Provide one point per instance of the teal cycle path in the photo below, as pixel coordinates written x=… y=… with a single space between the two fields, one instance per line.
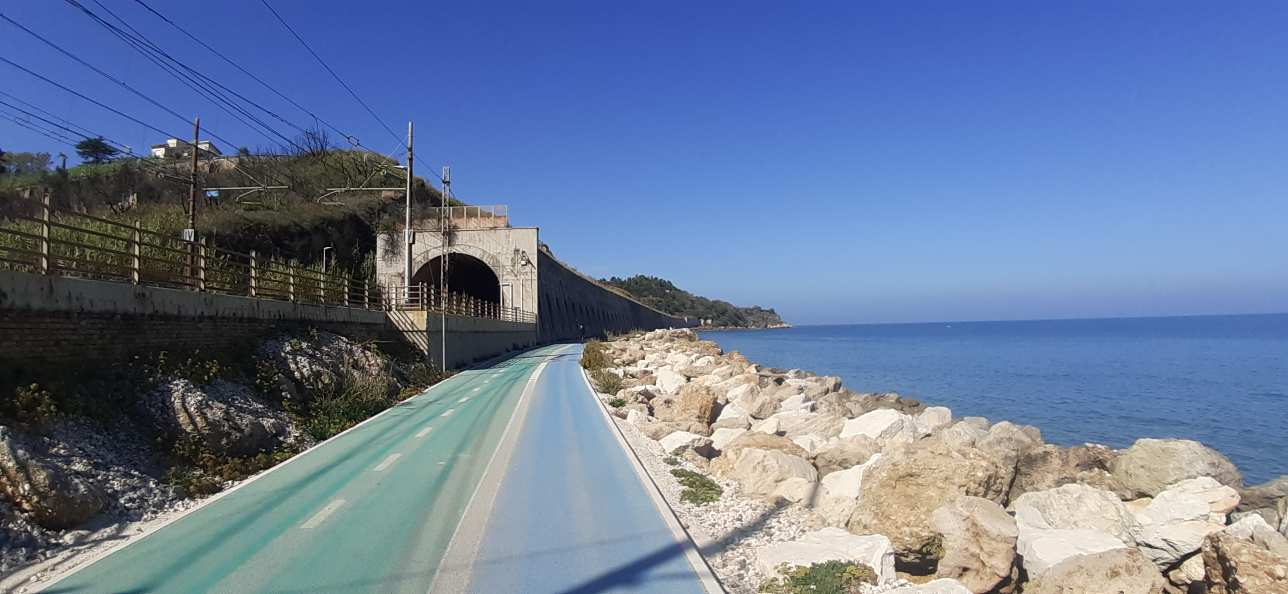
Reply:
x=572 y=515
x=371 y=510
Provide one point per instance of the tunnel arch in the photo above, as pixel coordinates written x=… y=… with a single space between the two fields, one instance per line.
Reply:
x=466 y=274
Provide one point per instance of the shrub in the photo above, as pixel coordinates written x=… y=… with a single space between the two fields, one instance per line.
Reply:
x=671 y=461
x=617 y=402
x=828 y=577
x=594 y=356
x=606 y=381
x=31 y=406
x=198 y=472
x=698 y=489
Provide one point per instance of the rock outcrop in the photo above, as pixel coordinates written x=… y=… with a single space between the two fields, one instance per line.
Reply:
x=54 y=496
x=830 y=544
x=224 y=417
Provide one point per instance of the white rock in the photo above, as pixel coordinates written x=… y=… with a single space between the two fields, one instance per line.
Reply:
x=668 y=381
x=1042 y=549
x=1167 y=544
x=796 y=489
x=1075 y=506
x=839 y=493
x=809 y=442
x=830 y=544
x=769 y=426
x=721 y=437
x=744 y=395
x=882 y=425
x=760 y=471
x=932 y=419
x=680 y=439
x=732 y=411
x=636 y=417
x=939 y=586
x=797 y=403
x=705 y=361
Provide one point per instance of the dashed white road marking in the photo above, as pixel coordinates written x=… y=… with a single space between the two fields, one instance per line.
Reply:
x=463 y=400
x=447 y=413
x=423 y=432
x=386 y=463
x=475 y=389
x=322 y=515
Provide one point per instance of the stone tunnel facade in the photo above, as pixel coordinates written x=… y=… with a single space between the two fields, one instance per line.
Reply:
x=509 y=266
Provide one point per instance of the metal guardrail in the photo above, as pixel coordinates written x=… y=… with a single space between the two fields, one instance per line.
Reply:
x=423 y=297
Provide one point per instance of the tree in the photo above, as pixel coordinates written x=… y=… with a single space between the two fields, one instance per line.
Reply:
x=3 y=159
x=95 y=150
x=28 y=163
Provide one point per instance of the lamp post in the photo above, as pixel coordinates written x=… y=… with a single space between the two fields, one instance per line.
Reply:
x=324 y=261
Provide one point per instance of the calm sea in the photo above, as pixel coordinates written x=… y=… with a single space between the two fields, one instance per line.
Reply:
x=1221 y=380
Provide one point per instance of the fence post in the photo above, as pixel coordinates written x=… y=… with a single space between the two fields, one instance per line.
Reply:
x=136 y=252
x=44 y=233
x=290 y=277
x=201 y=264
x=254 y=274
x=423 y=288
x=366 y=293
x=345 y=289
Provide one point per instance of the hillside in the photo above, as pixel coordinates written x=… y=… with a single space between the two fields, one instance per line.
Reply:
x=664 y=295
x=293 y=223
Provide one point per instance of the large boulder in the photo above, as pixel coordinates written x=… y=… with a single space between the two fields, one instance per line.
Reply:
x=668 y=380
x=656 y=430
x=685 y=440
x=1238 y=561
x=840 y=454
x=1008 y=441
x=692 y=403
x=903 y=488
x=792 y=424
x=1117 y=571
x=321 y=364
x=721 y=437
x=933 y=419
x=225 y=418
x=830 y=544
x=53 y=495
x=961 y=435
x=1150 y=465
x=1075 y=506
x=978 y=539
x=1048 y=466
x=1173 y=525
x=883 y=426
x=763 y=472
x=1041 y=550
x=838 y=494
x=1263 y=496
x=765 y=441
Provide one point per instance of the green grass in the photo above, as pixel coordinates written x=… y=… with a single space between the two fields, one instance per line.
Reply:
x=698 y=489
x=828 y=577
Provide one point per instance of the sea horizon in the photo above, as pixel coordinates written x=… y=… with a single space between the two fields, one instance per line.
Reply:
x=1020 y=320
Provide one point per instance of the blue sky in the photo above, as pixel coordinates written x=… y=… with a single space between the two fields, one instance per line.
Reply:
x=840 y=161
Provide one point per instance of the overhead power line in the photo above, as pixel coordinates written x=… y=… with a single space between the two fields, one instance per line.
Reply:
x=332 y=72
x=87 y=98
x=190 y=77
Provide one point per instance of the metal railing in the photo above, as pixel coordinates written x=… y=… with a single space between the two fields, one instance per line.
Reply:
x=424 y=297
x=80 y=245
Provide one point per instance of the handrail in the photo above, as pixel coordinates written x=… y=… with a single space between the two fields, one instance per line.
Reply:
x=426 y=298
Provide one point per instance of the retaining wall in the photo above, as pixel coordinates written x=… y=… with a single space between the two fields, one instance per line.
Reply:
x=469 y=340
x=571 y=306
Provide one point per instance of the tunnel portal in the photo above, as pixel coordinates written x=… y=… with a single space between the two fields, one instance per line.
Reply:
x=465 y=275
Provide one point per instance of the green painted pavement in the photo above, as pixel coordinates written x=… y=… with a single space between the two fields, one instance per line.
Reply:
x=371 y=510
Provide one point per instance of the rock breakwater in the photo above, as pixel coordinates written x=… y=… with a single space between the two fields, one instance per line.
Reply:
x=815 y=473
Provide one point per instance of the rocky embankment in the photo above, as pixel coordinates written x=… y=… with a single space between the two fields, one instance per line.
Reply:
x=914 y=500
x=74 y=480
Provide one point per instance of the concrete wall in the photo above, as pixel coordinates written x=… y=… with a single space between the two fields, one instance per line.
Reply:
x=568 y=300
x=85 y=323
x=469 y=340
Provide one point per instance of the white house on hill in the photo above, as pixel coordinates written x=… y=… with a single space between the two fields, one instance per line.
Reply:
x=174 y=148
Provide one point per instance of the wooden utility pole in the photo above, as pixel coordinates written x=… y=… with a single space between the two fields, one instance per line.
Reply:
x=192 y=201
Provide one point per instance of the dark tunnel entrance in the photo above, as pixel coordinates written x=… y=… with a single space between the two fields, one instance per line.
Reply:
x=465 y=275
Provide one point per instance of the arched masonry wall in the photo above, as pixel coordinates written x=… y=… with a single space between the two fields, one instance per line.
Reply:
x=569 y=301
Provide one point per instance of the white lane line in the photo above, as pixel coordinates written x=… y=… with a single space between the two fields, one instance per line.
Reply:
x=447 y=413
x=475 y=390
x=386 y=463
x=463 y=400
x=322 y=515
x=423 y=432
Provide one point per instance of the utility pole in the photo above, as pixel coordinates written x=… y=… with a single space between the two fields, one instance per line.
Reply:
x=409 y=237
x=192 y=199
x=445 y=213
